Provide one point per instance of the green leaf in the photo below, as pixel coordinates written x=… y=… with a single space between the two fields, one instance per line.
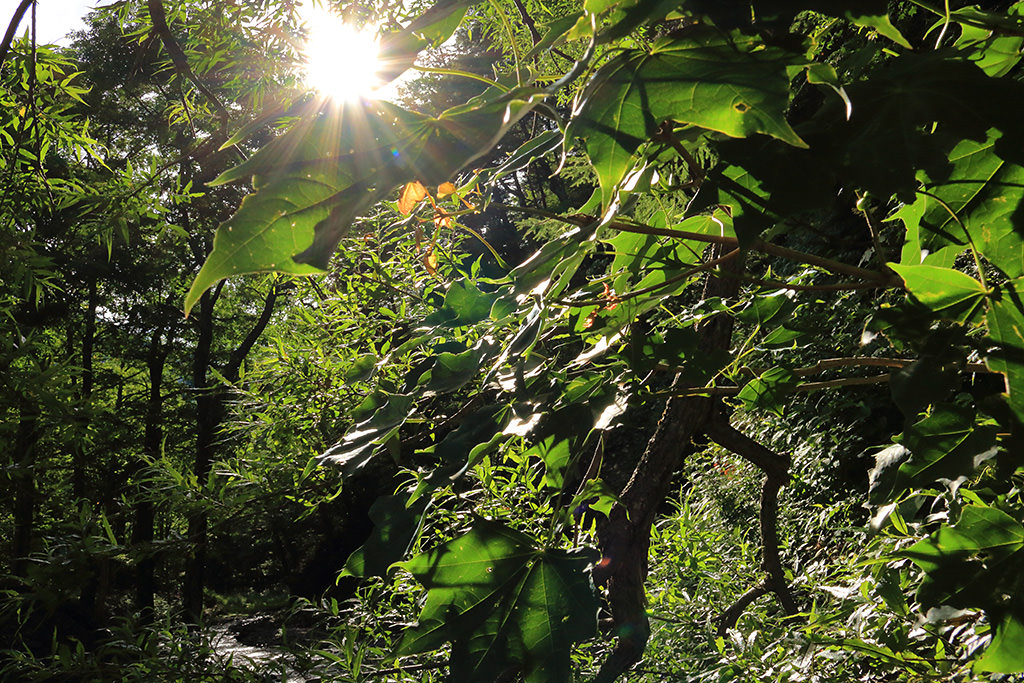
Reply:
x=768 y=309
x=768 y=390
x=883 y=476
x=360 y=444
x=362 y=368
x=395 y=525
x=944 y=445
x=942 y=290
x=1005 y=321
x=974 y=563
x=980 y=194
x=1005 y=654
x=735 y=86
x=503 y=603
x=464 y=304
x=453 y=370
x=312 y=182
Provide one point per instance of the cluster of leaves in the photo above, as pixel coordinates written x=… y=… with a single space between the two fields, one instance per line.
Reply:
x=756 y=125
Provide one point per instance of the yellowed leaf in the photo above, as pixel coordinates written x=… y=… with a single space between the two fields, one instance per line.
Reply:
x=445 y=189
x=430 y=262
x=442 y=220
x=412 y=194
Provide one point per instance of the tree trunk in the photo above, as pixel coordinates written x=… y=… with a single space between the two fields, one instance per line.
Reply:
x=207 y=419
x=24 y=483
x=142 y=529
x=625 y=537
x=210 y=409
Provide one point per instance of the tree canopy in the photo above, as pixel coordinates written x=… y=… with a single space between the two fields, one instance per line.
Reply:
x=620 y=318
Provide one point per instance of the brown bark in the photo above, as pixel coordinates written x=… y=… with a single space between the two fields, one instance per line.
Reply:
x=625 y=537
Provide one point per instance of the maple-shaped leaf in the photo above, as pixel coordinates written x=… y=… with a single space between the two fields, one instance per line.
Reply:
x=504 y=604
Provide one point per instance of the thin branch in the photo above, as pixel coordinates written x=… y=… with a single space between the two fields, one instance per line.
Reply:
x=878 y=279
x=731 y=615
x=666 y=135
x=806 y=386
x=403 y=669
x=710 y=265
x=864 y=361
x=178 y=58
x=875 y=239
x=776 y=471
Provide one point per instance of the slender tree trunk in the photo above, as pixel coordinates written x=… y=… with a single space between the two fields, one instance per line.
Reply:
x=142 y=529
x=79 y=454
x=210 y=409
x=93 y=589
x=24 y=483
x=207 y=419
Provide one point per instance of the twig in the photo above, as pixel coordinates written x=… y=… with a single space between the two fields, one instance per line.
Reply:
x=403 y=669
x=665 y=134
x=710 y=265
x=875 y=239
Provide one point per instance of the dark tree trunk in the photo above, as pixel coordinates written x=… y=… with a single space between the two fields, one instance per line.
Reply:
x=79 y=466
x=207 y=418
x=142 y=529
x=24 y=483
x=210 y=409
x=625 y=537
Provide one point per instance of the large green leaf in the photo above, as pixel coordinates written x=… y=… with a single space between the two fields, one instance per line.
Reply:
x=1005 y=654
x=977 y=198
x=734 y=85
x=943 y=290
x=944 y=445
x=767 y=390
x=974 y=563
x=503 y=603
x=360 y=444
x=1005 y=321
x=395 y=522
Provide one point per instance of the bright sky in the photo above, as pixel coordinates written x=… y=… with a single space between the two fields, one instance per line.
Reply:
x=54 y=18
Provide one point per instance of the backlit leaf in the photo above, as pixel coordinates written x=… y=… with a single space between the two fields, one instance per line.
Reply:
x=412 y=194
x=733 y=85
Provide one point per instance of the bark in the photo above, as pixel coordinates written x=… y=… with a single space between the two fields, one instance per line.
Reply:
x=144 y=513
x=25 y=442
x=625 y=537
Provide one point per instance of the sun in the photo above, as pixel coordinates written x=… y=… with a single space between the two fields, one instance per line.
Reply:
x=341 y=60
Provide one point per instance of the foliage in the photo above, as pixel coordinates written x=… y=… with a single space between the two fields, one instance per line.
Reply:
x=784 y=199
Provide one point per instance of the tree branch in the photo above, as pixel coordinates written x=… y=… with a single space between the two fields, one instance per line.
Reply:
x=178 y=58
x=728 y=618
x=776 y=470
x=877 y=278
x=12 y=28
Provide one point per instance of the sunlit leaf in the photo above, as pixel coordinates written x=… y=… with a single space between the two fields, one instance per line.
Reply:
x=412 y=194
x=733 y=85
